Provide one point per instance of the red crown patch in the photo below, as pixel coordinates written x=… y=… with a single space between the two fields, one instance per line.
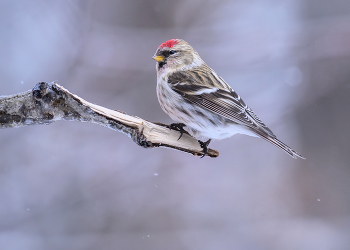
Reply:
x=169 y=44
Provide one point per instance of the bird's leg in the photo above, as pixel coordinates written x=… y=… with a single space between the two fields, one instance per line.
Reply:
x=179 y=127
x=204 y=146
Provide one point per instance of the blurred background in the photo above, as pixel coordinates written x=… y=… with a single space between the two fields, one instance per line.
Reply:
x=76 y=185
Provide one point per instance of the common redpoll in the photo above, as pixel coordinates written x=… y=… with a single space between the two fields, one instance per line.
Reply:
x=193 y=95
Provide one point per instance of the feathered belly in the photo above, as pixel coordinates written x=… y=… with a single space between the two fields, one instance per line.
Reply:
x=200 y=123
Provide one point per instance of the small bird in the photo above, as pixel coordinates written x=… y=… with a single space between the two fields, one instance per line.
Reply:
x=197 y=98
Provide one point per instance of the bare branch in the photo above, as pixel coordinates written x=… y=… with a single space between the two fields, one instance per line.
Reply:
x=49 y=102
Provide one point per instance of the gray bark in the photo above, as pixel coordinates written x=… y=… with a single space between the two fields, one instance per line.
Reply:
x=50 y=102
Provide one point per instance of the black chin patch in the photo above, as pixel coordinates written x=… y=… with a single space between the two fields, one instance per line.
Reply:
x=161 y=64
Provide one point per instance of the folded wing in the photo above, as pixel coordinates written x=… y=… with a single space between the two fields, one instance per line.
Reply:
x=218 y=98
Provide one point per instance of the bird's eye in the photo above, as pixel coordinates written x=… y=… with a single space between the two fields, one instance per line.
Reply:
x=172 y=52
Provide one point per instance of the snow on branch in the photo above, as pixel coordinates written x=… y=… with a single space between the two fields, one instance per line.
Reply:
x=50 y=102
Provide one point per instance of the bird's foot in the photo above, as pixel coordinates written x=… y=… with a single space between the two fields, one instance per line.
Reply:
x=179 y=127
x=204 y=146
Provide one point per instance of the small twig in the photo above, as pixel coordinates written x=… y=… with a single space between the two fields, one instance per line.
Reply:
x=49 y=102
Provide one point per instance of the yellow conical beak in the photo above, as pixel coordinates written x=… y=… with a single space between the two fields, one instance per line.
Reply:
x=158 y=58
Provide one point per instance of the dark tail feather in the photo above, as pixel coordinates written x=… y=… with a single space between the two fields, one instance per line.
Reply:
x=282 y=146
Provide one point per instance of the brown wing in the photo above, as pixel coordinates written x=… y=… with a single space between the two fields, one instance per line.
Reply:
x=219 y=99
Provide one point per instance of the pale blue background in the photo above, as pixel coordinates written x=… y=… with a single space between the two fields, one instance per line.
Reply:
x=77 y=185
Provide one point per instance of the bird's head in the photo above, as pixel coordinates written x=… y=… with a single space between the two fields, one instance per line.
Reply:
x=176 y=54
